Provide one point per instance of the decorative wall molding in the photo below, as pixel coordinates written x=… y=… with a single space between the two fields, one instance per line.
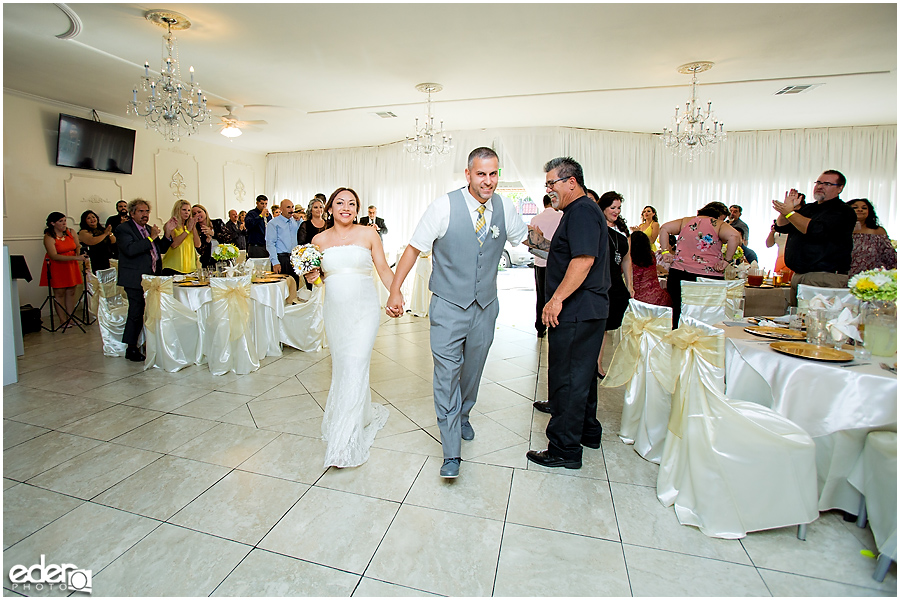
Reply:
x=177 y=178
x=240 y=186
x=91 y=192
x=74 y=23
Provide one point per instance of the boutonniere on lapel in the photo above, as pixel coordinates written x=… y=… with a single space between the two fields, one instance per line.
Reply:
x=495 y=232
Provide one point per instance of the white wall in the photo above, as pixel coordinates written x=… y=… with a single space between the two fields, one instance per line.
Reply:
x=33 y=186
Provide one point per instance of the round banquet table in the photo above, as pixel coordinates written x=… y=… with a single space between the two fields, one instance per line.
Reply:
x=267 y=311
x=837 y=404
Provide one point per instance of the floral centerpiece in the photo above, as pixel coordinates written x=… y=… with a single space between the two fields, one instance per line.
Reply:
x=738 y=256
x=877 y=284
x=305 y=258
x=225 y=252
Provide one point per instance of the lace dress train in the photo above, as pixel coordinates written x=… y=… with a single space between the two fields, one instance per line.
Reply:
x=352 y=317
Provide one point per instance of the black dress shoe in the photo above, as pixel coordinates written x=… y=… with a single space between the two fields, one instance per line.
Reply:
x=545 y=459
x=590 y=444
x=134 y=354
x=543 y=407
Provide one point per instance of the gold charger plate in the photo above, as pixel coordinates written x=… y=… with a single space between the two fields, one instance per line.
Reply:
x=191 y=284
x=268 y=280
x=765 y=286
x=776 y=333
x=810 y=351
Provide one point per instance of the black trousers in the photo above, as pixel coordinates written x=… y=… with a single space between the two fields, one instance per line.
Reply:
x=134 y=321
x=572 y=386
x=540 y=276
x=673 y=286
x=284 y=259
x=257 y=251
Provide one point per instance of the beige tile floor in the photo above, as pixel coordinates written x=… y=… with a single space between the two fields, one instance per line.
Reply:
x=191 y=485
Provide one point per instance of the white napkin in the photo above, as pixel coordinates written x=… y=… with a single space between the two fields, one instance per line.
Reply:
x=844 y=326
x=819 y=302
x=768 y=323
x=231 y=270
x=753 y=265
x=177 y=278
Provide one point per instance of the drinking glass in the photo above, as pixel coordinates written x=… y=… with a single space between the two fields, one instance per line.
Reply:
x=738 y=308
x=817 y=326
x=795 y=321
x=755 y=277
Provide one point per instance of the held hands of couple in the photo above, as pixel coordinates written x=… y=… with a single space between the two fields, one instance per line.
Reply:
x=394 y=306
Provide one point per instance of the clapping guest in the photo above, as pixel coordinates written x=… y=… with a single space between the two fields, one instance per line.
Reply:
x=181 y=231
x=235 y=230
x=209 y=229
x=649 y=225
x=698 y=252
x=64 y=265
x=871 y=246
x=643 y=268
x=98 y=243
x=781 y=239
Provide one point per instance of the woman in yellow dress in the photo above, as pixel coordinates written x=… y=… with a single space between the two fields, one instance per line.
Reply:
x=181 y=258
x=649 y=225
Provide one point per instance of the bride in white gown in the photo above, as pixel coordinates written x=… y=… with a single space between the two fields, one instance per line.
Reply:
x=352 y=316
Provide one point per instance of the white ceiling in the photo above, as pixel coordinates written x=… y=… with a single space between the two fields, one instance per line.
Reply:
x=321 y=70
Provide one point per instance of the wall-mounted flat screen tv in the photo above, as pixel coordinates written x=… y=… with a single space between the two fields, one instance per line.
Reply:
x=87 y=144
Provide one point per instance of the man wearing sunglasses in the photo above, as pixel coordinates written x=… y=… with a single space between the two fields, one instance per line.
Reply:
x=820 y=234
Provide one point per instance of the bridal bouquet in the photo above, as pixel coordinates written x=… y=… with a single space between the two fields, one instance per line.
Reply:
x=305 y=258
x=226 y=252
x=876 y=284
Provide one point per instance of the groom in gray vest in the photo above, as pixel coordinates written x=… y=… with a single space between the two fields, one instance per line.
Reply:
x=465 y=230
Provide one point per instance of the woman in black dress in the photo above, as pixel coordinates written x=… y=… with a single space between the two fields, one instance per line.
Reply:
x=210 y=229
x=97 y=242
x=314 y=223
x=621 y=283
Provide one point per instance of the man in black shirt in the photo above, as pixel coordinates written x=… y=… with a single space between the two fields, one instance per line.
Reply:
x=114 y=221
x=820 y=234
x=577 y=290
x=255 y=222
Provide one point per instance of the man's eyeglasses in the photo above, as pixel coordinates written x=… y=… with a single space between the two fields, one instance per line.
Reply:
x=550 y=183
x=828 y=184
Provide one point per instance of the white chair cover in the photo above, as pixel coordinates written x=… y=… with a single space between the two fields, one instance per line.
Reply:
x=268 y=304
x=704 y=302
x=805 y=293
x=93 y=288
x=728 y=466
x=112 y=310
x=303 y=325
x=734 y=291
x=645 y=413
x=171 y=329
x=875 y=476
x=420 y=299
x=232 y=343
x=260 y=264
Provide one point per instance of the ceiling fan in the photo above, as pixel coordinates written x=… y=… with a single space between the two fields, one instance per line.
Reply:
x=232 y=126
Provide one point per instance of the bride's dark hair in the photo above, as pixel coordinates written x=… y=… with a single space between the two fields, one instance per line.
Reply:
x=338 y=191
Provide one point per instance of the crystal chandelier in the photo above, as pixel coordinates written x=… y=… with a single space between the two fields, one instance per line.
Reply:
x=429 y=145
x=696 y=129
x=173 y=108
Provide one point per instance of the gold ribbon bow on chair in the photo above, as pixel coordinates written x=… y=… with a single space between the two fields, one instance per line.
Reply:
x=675 y=357
x=627 y=357
x=154 y=287
x=238 y=301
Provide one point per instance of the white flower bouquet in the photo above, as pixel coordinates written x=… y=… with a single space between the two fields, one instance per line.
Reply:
x=305 y=258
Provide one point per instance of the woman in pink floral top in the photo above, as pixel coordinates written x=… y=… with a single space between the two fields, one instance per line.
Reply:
x=698 y=252
x=871 y=246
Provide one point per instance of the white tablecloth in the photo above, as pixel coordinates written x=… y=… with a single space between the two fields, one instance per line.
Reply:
x=267 y=310
x=836 y=405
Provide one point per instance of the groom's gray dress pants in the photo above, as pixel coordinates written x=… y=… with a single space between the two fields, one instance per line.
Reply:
x=460 y=340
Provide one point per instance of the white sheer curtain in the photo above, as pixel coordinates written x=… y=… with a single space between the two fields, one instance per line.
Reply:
x=750 y=169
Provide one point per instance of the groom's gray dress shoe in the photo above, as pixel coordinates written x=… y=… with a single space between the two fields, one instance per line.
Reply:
x=467 y=432
x=450 y=468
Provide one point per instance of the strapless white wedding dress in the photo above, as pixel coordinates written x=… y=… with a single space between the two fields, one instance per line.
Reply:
x=352 y=316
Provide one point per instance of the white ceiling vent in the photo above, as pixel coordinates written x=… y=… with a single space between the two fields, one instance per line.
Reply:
x=796 y=89
x=385 y=114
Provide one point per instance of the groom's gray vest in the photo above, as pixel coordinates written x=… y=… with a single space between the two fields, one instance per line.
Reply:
x=462 y=271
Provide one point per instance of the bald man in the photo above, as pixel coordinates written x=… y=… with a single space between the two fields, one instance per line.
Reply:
x=281 y=237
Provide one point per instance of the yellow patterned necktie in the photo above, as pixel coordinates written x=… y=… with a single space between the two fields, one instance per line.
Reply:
x=481 y=226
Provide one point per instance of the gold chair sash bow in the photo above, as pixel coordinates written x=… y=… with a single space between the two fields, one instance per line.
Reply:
x=674 y=358
x=238 y=302
x=627 y=357
x=703 y=295
x=153 y=289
